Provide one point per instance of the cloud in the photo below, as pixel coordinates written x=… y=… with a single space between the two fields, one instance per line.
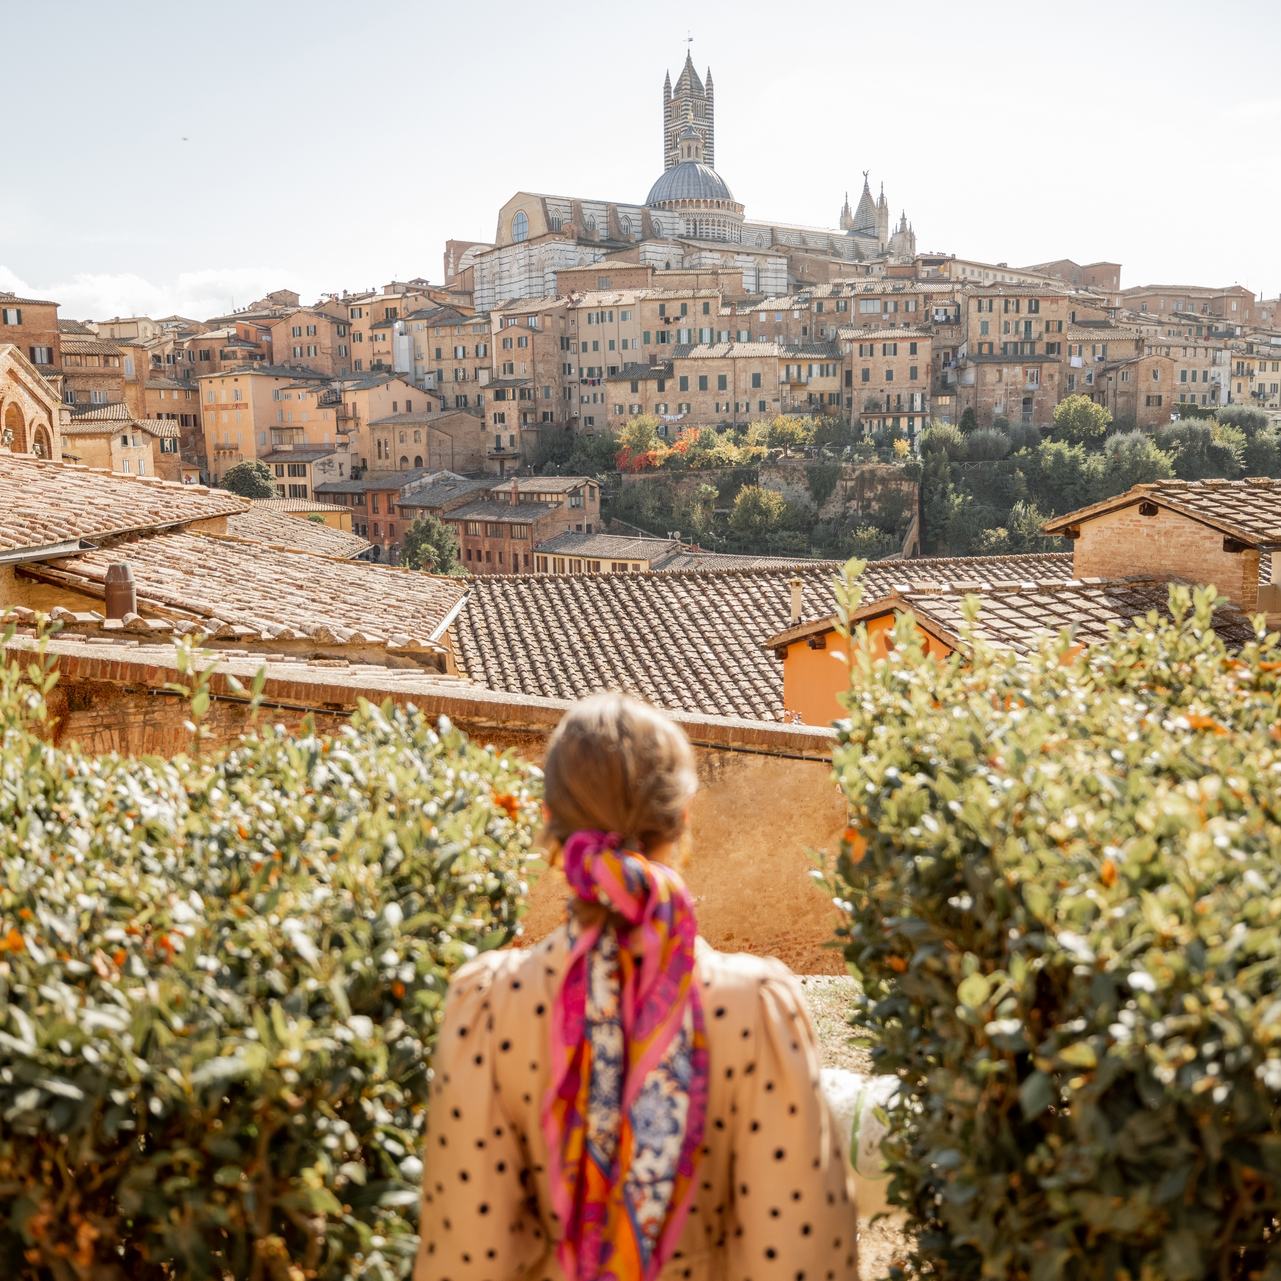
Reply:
x=198 y=294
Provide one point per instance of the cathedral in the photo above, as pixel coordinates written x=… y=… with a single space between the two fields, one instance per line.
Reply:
x=690 y=219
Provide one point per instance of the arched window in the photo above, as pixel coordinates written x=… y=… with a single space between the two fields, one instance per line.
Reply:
x=553 y=222
x=520 y=226
x=625 y=226
x=404 y=462
x=418 y=461
x=589 y=225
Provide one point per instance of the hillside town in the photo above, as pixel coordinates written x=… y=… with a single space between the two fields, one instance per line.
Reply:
x=957 y=584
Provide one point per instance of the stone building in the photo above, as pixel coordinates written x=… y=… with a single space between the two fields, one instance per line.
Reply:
x=886 y=376
x=31 y=325
x=31 y=416
x=312 y=338
x=689 y=220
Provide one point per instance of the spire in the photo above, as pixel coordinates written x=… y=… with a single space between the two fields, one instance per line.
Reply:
x=864 y=219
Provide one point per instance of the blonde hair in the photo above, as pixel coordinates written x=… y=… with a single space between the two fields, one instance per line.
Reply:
x=617 y=764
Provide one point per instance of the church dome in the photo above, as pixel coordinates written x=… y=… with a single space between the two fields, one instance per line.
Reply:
x=689 y=180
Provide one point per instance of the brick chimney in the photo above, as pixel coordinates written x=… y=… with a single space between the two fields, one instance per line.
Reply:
x=515 y=492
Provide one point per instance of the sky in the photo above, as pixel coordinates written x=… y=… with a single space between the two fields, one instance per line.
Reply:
x=188 y=158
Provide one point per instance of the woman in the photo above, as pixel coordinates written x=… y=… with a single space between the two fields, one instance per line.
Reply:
x=622 y=1102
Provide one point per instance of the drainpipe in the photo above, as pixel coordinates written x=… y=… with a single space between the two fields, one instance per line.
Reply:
x=121 y=594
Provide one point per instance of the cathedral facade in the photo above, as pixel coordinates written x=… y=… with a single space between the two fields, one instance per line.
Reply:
x=690 y=219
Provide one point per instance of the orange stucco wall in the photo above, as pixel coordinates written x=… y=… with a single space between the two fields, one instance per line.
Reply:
x=814 y=679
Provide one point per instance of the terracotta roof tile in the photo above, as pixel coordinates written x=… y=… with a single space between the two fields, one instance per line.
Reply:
x=1248 y=510
x=273 y=526
x=42 y=503
x=265 y=589
x=685 y=641
x=1018 y=615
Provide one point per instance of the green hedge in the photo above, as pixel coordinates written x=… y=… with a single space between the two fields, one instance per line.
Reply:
x=220 y=978
x=1062 y=886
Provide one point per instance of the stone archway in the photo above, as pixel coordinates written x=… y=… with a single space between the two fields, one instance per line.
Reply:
x=41 y=441
x=13 y=428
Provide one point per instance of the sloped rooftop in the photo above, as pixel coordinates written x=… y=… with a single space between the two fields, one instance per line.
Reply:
x=43 y=504
x=274 y=526
x=269 y=590
x=688 y=642
x=1247 y=510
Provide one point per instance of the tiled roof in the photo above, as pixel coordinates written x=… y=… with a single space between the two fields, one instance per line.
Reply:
x=1101 y=333
x=855 y=334
x=1248 y=510
x=685 y=560
x=638 y=371
x=725 y=350
x=686 y=641
x=382 y=480
x=820 y=350
x=1018 y=615
x=540 y=484
x=606 y=546
x=294 y=505
x=267 y=590
x=272 y=525
x=500 y=511
x=75 y=345
x=438 y=493
x=303 y=454
x=30 y=302
x=115 y=412
x=43 y=504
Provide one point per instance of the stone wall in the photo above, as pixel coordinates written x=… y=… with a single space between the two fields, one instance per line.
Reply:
x=859 y=488
x=767 y=799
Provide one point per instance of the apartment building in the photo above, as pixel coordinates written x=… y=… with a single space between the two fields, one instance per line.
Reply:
x=247 y=413
x=1233 y=304
x=1014 y=353
x=31 y=325
x=452 y=355
x=1136 y=389
x=299 y=469
x=497 y=533
x=93 y=371
x=886 y=377
x=1256 y=376
x=428 y=439
x=531 y=387
x=111 y=437
x=1202 y=371
x=314 y=339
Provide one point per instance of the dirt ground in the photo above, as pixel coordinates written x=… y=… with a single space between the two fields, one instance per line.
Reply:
x=828 y=998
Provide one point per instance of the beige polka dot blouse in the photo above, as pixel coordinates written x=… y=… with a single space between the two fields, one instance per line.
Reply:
x=774 y=1200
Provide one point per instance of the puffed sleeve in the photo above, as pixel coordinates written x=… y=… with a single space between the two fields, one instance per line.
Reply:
x=479 y=1219
x=794 y=1217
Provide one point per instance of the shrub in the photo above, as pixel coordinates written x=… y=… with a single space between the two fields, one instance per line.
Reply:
x=986 y=445
x=943 y=438
x=1062 y=884
x=250 y=479
x=1246 y=417
x=222 y=975
x=1132 y=458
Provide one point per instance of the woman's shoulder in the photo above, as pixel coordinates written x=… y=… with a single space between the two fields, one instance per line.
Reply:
x=510 y=966
x=742 y=974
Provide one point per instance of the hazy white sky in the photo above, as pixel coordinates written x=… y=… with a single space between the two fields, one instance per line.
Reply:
x=186 y=157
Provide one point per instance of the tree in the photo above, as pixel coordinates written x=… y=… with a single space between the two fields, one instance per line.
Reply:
x=431 y=545
x=969 y=421
x=788 y=433
x=1203 y=450
x=1246 y=417
x=756 y=514
x=250 y=479
x=943 y=438
x=1079 y=421
x=1132 y=458
x=640 y=435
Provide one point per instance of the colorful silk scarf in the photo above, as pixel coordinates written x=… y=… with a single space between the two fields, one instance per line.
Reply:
x=625 y=1112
